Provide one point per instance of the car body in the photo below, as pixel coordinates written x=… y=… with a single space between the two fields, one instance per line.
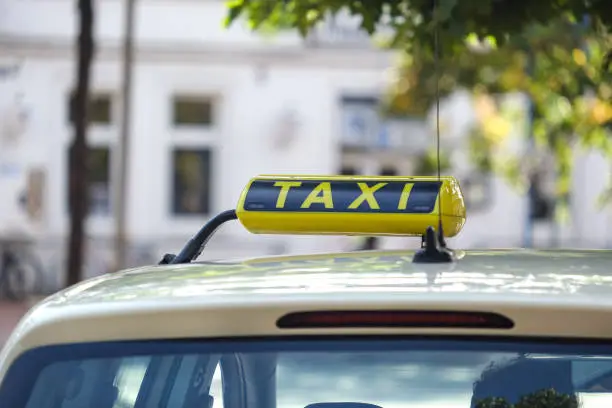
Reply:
x=552 y=297
x=365 y=329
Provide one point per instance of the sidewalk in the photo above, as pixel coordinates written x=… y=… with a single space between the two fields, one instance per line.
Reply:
x=10 y=313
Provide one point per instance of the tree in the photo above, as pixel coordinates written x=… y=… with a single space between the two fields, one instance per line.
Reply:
x=78 y=157
x=412 y=21
x=558 y=66
x=544 y=49
x=545 y=398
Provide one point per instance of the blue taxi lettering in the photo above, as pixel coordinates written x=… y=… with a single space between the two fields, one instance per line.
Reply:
x=342 y=196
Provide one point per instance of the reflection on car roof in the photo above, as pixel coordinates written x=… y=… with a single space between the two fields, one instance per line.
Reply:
x=512 y=272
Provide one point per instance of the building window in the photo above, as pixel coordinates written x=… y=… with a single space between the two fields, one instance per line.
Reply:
x=192 y=179
x=100 y=109
x=192 y=111
x=99 y=181
x=99 y=168
x=361 y=122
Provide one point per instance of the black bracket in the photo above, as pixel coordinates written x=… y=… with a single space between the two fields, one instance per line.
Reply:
x=195 y=245
x=433 y=248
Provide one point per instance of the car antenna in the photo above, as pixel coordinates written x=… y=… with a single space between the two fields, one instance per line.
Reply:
x=433 y=246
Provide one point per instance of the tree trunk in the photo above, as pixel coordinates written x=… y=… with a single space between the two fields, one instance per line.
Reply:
x=78 y=156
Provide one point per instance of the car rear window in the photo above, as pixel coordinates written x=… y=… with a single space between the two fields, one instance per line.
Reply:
x=294 y=373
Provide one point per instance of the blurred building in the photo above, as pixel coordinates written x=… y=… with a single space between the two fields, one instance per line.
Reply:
x=211 y=108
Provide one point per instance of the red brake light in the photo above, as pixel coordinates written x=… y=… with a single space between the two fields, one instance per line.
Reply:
x=394 y=318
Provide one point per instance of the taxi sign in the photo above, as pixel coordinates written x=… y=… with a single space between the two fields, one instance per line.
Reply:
x=351 y=205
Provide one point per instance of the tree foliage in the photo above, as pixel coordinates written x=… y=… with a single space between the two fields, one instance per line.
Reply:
x=544 y=398
x=412 y=21
x=558 y=66
x=558 y=52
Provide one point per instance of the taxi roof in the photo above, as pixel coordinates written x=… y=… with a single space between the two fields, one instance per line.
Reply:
x=572 y=275
x=545 y=293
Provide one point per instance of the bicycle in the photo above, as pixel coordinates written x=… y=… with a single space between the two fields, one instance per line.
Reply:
x=21 y=273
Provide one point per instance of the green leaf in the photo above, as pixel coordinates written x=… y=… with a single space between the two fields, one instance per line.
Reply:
x=445 y=10
x=235 y=8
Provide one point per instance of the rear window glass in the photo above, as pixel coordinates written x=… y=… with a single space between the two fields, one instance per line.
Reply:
x=389 y=373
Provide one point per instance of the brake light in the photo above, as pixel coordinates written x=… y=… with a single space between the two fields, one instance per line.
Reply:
x=394 y=318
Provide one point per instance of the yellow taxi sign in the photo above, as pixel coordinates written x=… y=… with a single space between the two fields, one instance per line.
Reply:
x=351 y=205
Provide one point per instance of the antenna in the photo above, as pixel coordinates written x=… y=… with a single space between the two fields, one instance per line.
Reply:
x=437 y=74
x=434 y=250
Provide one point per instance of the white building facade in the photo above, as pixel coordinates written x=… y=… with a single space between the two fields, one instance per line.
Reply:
x=211 y=107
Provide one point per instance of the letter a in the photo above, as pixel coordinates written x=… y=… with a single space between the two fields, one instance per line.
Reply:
x=325 y=198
